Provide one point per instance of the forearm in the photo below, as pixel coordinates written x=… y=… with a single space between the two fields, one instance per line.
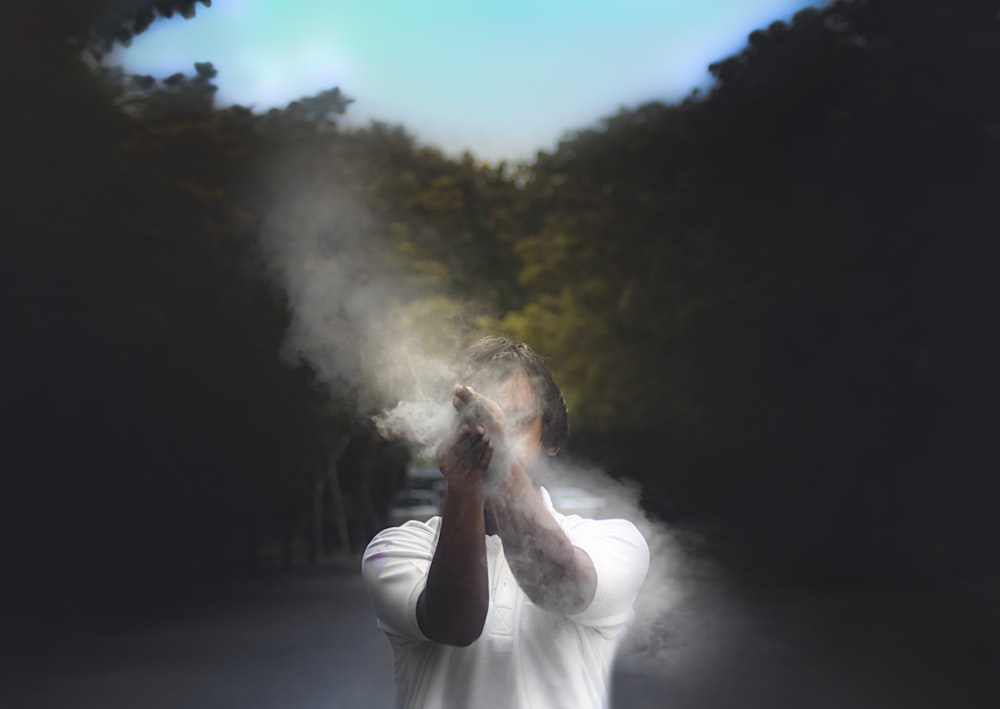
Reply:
x=453 y=605
x=552 y=572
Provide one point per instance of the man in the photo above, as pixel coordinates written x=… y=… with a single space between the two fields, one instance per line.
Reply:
x=502 y=601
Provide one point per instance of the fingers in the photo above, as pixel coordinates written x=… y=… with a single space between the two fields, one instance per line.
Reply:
x=468 y=449
x=476 y=409
x=463 y=396
x=479 y=451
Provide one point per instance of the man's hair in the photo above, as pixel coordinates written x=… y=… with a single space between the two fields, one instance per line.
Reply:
x=497 y=358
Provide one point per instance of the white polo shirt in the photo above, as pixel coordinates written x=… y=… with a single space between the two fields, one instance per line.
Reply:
x=526 y=656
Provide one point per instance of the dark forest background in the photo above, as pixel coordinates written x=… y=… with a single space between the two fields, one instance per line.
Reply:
x=773 y=304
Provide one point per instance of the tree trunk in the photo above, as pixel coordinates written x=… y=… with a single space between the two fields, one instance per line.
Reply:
x=333 y=478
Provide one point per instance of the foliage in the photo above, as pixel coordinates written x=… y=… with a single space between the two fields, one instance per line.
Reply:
x=771 y=304
x=785 y=282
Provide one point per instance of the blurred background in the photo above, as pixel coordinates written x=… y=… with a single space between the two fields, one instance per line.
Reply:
x=767 y=287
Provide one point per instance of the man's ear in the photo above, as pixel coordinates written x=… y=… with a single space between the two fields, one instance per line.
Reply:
x=553 y=451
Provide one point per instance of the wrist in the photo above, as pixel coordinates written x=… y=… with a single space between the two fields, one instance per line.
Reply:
x=500 y=466
x=465 y=493
x=512 y=486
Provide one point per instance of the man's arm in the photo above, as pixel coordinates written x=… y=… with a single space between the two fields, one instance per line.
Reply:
x=453 y=605
x=553 y=573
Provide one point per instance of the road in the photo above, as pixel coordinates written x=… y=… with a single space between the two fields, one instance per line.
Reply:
x=302 y=640
x=306 y=640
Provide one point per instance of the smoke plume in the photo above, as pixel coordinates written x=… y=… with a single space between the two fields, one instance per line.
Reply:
x=378 y=335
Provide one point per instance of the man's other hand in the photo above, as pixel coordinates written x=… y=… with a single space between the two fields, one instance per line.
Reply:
x=464 y=458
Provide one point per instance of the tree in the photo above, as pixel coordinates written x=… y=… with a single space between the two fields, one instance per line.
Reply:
x=781 y=278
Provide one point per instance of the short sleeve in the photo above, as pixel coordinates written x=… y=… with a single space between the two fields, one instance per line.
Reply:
x=621 y=559
x=394 y=567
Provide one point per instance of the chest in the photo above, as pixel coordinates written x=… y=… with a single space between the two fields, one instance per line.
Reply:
x=513 y=620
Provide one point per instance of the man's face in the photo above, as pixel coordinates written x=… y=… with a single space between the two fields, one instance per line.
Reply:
x=522 y=415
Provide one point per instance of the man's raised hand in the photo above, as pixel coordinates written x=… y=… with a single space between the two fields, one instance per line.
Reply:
x=464 y=458
x=478 y=410
x=481 y=412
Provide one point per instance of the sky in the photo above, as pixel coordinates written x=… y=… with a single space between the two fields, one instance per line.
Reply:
x=499 y=78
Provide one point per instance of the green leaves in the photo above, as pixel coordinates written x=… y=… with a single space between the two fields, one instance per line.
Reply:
x=786 y=283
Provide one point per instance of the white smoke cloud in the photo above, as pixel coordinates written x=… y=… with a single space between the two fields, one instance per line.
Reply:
x=374 y=332
x=671 y=631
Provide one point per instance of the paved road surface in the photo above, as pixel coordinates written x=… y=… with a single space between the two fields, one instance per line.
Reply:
x=300 y=641
x=306 y=640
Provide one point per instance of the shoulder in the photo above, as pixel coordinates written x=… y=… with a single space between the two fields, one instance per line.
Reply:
x=413 y=529
x=620 y=556
x=619 y=536
x=410 y=538
x=394 y=567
